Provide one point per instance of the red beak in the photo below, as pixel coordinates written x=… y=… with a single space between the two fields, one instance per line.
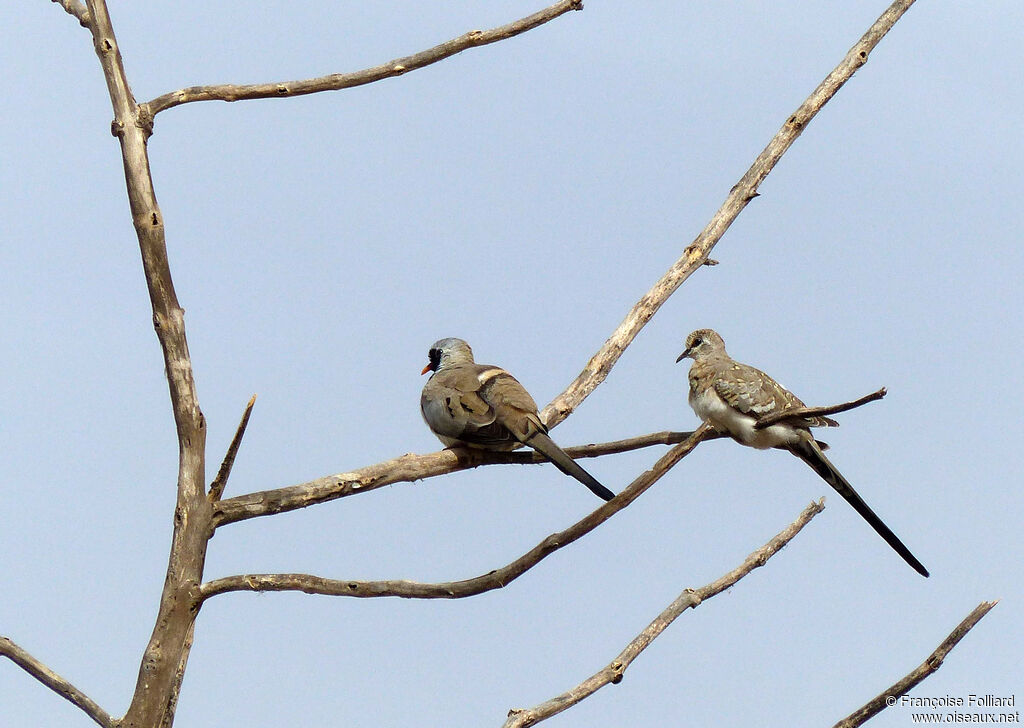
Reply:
x=426 y=369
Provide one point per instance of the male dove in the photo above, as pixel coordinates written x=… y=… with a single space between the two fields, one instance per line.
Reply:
x=733 y=396
x=483 y=406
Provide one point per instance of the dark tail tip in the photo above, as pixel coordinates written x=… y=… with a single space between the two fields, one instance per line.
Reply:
x=600 y=491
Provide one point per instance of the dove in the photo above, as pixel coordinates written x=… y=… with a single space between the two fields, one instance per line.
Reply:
x=483 y=406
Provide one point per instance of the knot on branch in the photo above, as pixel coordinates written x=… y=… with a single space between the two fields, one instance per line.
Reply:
x=618 y=672
x=551 y=543
x=194 y=594
x=144 y=119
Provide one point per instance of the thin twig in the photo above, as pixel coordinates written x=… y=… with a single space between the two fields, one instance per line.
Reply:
x=219 y=483
x=694 y=256
x=892 y=696
x=665 y=437
x=799 y=413
x=495 y=579
x=338 y=81
x=76 y=8
x=408 y=468
x=690 y=598
x=55 y=682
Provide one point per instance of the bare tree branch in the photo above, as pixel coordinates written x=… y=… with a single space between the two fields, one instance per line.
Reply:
x=166 y=653
x=745 y=190
x=799 y=413
x=408 y=468
x=932 y=663
x=337 y=81
x=458 y=589
x=218 y=484
x=690 y=598
x=55 y=682
x=76 y=8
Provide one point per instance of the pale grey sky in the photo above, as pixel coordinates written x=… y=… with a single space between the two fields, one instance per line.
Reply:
x=521 y=196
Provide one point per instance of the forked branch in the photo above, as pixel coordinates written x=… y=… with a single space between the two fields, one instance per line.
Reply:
x=690 y=598
x=932 y=663
x=55 y=682
x=338 y=81
x=76 y=8
x=458 y=589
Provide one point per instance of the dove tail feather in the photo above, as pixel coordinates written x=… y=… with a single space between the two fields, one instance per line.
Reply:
x=810 y=452
x=547 y=447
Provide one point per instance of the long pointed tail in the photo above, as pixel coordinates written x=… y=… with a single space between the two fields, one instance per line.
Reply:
x=547 y=447
x=808 y=451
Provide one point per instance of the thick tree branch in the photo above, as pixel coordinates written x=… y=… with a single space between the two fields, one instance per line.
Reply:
x=799 y=413
x=76 y=8
x=164 y=659
x=55 y=682
x=696 y=254
x=408 y=468
x=458 y=589
x=219 y=483
x=690 y=598
x=932 y=663
x=337 y=81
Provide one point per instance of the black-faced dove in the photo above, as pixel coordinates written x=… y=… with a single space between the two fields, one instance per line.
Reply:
x=483 y=406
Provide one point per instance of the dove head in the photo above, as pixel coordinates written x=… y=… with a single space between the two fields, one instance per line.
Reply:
x=446 y=352
x=701 y=344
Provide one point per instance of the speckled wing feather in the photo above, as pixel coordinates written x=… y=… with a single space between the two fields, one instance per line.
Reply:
x=731 y=396
x=753 y=392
